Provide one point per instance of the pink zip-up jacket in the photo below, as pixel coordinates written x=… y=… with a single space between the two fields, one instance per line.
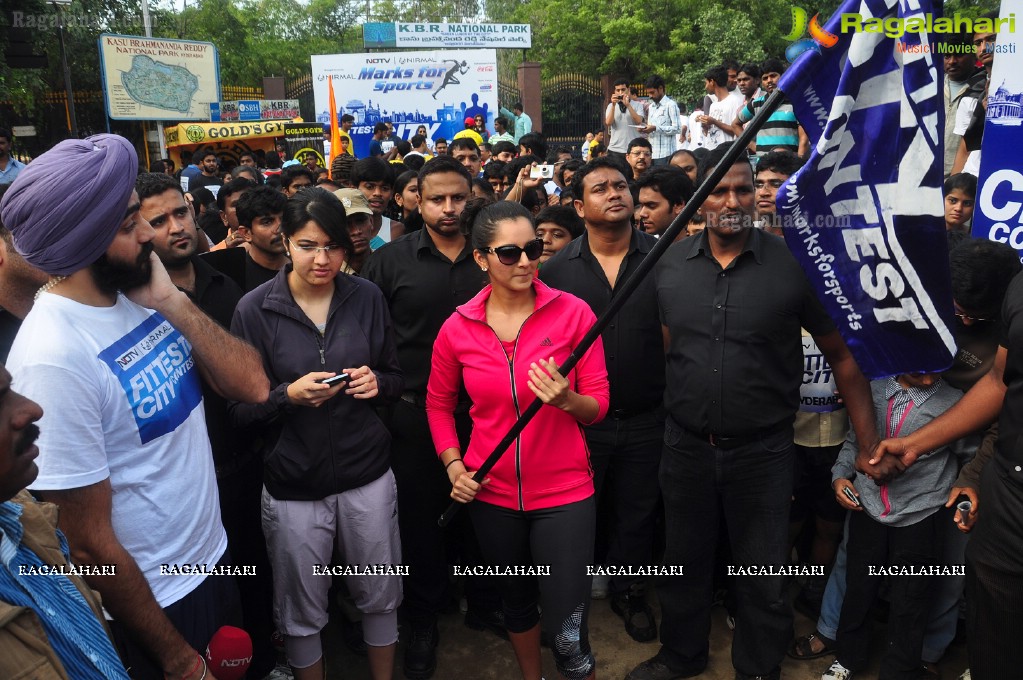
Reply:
x=549 y=463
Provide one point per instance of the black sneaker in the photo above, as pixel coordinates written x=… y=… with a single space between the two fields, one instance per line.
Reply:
x=657 y=669
x=421 y=653
x=640 y=623
x=492 y=621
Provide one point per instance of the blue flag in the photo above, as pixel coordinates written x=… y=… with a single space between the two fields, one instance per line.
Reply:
x=999 y=214
x=865 y=215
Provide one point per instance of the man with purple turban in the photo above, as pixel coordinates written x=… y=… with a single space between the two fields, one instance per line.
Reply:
x=113 y=351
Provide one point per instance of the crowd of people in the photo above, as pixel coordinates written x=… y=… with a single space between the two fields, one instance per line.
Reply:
x=250 y=395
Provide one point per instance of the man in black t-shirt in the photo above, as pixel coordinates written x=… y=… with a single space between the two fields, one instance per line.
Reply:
x=259 y=212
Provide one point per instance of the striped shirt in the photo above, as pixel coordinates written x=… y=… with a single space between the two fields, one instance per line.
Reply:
x=902 y=400
x=665 y=117
x=780 y=130
x=74 y=632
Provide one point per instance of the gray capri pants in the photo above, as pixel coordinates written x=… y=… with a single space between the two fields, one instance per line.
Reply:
x=300 y=536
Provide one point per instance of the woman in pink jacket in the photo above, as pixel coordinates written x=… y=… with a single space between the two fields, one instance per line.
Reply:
x=535 y=511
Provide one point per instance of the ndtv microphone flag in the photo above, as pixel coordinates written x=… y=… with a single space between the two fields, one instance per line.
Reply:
x=865 y=214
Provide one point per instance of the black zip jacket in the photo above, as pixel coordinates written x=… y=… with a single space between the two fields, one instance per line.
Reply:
x=342 y=444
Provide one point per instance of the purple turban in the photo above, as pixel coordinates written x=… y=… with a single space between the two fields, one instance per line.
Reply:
x=65 y=207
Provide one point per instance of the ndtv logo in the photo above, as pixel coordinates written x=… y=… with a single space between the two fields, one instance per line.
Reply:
x=378 y=60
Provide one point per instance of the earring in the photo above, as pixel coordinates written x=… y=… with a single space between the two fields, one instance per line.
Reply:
x=483 y=268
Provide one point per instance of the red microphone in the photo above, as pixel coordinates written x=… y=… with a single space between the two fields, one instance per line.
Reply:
x=229 y=653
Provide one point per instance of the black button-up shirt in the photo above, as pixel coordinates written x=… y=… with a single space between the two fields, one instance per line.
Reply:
x=9 y=325
x=422 y=288
x=1010 y=423
x=735 y=362
x=633 y=346
x=217 y=295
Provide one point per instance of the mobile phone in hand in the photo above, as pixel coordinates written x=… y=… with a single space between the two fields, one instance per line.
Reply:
x=851 y=496
x=339 y=378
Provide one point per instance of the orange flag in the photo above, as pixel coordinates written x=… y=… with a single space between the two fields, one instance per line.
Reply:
x=335 y=130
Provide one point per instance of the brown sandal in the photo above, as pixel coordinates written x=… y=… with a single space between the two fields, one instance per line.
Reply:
x=801 y=648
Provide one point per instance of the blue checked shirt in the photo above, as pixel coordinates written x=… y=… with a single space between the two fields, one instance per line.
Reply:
x=902 y=399
x=665 y=116
x=75 y=634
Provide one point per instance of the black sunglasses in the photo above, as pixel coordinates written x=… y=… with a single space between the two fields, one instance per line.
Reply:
x=510 y=255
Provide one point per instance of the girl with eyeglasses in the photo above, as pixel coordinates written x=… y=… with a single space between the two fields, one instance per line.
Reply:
x=535 y=511
x=328 y=349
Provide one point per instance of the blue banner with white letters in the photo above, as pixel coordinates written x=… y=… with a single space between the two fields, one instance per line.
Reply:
x=864 y=216
x=999 y=213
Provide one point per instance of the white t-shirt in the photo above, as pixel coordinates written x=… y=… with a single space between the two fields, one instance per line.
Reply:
x=122 y=400
x=725 y=111
x=964 y=114
x=695 y=130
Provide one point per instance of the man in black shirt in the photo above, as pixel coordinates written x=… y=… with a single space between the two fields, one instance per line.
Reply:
x=424 y=276
x=238 y=468
x=731 y=302
x=259 y=211
x=625 y=449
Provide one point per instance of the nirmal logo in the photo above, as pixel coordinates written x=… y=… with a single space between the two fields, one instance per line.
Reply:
x=818 y=36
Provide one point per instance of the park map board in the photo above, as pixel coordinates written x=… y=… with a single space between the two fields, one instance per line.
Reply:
x=157 y=78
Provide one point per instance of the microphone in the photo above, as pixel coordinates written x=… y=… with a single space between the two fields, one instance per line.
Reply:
x=229 y=653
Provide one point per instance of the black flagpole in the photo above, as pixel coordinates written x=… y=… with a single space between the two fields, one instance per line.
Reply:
x=632 y=282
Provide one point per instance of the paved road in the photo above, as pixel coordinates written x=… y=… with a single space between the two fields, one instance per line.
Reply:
x=470 y=655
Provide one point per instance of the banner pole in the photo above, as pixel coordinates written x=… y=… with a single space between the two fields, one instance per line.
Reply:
x=631 y=283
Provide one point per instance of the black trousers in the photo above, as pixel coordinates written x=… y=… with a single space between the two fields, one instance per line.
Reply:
x=994 y=575
x=872 y=544
x=749 y=488
x=423 y=494
x=626 y=455
x=240 y=494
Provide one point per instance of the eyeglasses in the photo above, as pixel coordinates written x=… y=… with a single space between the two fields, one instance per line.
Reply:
x=641 y=154
x=510 y=254
x=314 y=250
x=967 y=317
x=773 y=183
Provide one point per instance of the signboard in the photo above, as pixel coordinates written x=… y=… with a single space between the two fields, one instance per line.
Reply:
x=227 y=140
x=404 y=34
x=23 y=130
x=437 y=90
x=999 y=214
x=203 y=133
x=249 y=110
x=278 y=109
x=304 y=138
x=158 y=78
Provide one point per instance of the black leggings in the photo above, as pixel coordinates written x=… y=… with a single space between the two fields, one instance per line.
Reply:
x=560 y=538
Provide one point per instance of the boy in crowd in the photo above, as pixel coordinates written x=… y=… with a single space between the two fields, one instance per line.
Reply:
x=374 y=177
x=898 y=525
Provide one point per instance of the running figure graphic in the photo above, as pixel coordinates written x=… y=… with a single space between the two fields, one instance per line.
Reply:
x=451 y=76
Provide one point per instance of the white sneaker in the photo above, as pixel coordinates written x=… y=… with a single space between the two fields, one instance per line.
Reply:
x=598 y=591
x=281 y=672
x=837 y=672
x=966 y=675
